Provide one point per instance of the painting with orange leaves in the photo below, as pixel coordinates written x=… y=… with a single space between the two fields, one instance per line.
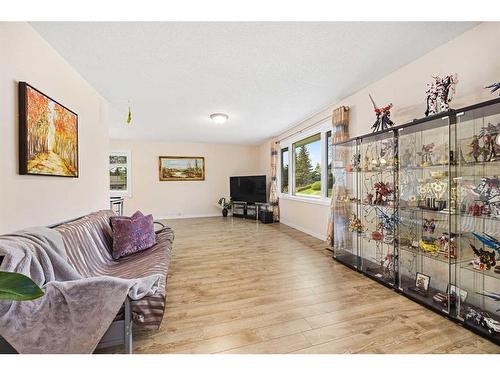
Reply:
x=48 y=135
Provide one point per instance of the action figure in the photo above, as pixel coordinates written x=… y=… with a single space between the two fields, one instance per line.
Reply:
x=491 y=147
x=426 y=154
x=356 y=161
x=383 y=114
x=440 y=93
x=488 y=191
x=485 y=259
x=475 y=148
x=369 y=198
x=387 y=224
x=494 y=87
x=355 y=224
x=489 y=241
x=382 y=192
x=447 y=245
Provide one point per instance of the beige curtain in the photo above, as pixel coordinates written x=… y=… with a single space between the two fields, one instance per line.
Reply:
x=273 y=192
x=340 y=132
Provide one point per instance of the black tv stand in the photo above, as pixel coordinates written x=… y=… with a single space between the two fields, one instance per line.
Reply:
x=247 y=210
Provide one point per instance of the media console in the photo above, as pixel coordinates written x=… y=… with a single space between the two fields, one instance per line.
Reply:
x=249 y=210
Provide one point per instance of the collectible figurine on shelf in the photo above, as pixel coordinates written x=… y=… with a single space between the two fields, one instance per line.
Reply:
x=491 y=136
x=488 y=241
x=485 y=259
x=428 y=247
x=355 y=224
x=475 y=148
x=383 y=114
x=494 y=87
x=382 y=192
x=356 y=162
x=426 y=155
x=488 y=191
x=447 y=245
x=439 y=94
x=369 y=198
x=494 y=296
x=387 y=224
x=429 y=225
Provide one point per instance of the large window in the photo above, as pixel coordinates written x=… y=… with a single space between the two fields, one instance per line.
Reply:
x=284 y=170
x=120 y=179
x=329 y=156
x=307 y=171
x=306 y=165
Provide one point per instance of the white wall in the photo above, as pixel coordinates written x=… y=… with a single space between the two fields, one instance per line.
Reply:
x=37 y=200
x=170 y=199
x=473 y=55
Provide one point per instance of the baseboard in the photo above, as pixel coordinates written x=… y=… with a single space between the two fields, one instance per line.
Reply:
x=188 y=216
x=321 y=236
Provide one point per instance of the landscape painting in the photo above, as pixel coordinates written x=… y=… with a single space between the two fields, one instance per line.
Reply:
x=182 y=168
x=48 y=135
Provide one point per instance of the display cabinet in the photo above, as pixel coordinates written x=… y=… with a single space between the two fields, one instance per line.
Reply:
x=426 y=223
x=347 y=224
x=478 y=213
x=378 y=206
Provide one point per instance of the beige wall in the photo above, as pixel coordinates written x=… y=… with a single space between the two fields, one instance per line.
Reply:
x=473 y=55
x=168 y=199
x=37 y=200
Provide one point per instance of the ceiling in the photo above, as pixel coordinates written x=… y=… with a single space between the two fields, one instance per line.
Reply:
x=266 y=76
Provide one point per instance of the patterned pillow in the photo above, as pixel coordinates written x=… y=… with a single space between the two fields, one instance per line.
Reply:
x=132 y=234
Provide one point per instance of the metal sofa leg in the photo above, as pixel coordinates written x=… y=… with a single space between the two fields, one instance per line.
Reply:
x=128 y=327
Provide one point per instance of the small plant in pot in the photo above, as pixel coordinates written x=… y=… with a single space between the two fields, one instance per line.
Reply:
x=226 y=205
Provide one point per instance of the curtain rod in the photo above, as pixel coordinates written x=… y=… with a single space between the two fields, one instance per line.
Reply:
x=307 y=127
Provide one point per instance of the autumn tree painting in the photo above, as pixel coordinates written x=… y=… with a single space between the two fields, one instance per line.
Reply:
x=48 y=135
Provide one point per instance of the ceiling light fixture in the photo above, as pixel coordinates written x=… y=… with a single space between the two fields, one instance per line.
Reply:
x=219 y=118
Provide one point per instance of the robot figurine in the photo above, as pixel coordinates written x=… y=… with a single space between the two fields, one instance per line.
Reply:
x=383 y=114
x=494 y=87
x=439 y=93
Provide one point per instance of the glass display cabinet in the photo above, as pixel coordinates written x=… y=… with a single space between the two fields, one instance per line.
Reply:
x=477 y=289
x=426 y=223
x=347 y=224
x=377 y=206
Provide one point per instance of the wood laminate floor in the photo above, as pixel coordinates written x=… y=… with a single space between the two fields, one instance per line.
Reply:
x=237 y=286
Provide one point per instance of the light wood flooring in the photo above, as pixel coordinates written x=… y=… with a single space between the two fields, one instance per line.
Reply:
x=237 y=286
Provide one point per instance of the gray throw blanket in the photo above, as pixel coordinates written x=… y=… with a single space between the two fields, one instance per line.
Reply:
x=75 y=312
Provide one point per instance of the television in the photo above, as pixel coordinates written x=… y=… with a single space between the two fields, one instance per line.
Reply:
x=250 y=189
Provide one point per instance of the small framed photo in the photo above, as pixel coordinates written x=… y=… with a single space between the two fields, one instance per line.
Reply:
x=458 y=292
x=422 y=282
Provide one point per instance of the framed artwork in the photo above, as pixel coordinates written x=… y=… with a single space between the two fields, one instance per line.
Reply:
x=48 y=135
x=458 y=292
x=182 y=168
x=422 y=282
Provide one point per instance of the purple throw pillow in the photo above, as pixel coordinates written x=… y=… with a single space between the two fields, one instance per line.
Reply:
x=132 y=234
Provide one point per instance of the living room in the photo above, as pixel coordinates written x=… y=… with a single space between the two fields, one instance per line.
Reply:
x=242 y=185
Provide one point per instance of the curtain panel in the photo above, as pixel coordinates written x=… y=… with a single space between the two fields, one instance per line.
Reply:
x=273 y=192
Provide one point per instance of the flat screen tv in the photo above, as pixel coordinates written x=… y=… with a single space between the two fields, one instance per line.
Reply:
x=250 y=189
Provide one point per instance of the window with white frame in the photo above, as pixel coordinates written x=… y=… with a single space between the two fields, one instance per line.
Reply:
x=306 y=165
x=120 y=174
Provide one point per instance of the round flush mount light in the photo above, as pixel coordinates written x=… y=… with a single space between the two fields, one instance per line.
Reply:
x=219 y=118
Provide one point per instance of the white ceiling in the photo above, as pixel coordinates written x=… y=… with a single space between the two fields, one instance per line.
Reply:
x=265 y=76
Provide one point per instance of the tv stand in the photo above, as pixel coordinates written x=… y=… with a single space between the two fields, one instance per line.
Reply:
x=247 y=210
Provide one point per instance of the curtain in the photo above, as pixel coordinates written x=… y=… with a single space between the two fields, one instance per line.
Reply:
x=340 y=132
x=273 y=192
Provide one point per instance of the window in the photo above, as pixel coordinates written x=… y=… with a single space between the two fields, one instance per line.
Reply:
x=284 y=170
x=120 y=176
x=329 y=156
x=307 y=163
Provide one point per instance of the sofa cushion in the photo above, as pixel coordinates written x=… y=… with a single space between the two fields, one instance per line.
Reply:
x=132 y=234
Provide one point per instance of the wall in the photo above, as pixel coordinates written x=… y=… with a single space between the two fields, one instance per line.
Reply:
x=37 y=200
x=472 y=55
x=170 y=199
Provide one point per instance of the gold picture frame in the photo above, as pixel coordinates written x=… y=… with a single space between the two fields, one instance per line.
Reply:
x=181 y=168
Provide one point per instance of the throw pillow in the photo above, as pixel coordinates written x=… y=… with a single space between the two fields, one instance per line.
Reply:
x=132 y=234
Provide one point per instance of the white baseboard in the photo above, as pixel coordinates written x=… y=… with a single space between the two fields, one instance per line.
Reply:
x=188 y=216
x=321 y=236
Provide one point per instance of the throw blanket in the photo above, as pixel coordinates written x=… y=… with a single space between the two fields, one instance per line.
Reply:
x=75 y=312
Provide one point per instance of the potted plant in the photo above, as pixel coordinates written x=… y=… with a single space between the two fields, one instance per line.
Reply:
x=225 y=205
x=18 y=287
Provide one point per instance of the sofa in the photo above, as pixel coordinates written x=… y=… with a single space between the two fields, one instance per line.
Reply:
x=88 y=243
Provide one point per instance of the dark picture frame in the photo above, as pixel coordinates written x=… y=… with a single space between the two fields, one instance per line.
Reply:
x=63 y=161
x=422 y=282
x=198 y=172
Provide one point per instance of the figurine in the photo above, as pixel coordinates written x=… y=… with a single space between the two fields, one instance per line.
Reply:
x=383 y=114
x=482 y=319
x=491 y=136
x=369 y=198
x=426 y=154
x=355 y=224
x=356 y=161
x=429 y=225
x=488 y=241
x=447 y=245
x=428 y=247
x=475 y=148
x=488 y=191
x=494 y=296
x=485 y=260
x=494 y=87
x=440 y=92
x=387 y=224
x=382 y=192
